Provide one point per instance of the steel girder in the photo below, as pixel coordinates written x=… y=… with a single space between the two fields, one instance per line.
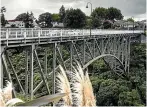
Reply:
x=114 y=50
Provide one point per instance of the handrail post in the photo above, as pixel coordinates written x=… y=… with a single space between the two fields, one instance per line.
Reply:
x=7 y=36
x=39 y=35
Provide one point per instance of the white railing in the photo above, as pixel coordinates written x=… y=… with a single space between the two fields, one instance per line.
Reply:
x=14 y=34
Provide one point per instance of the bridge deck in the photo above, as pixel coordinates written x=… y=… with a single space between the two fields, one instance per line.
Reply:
x=19 y=36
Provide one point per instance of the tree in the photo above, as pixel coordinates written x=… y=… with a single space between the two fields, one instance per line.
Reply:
x=96 y=22
x=75 y=18
x=45 y=20
x=130 y=19
x=55 y=17
x=62 y=13
x=107 y=24
x=26 y=18
x=99 y=13
x=3 y=9
x=114 y=13
x=3 y=21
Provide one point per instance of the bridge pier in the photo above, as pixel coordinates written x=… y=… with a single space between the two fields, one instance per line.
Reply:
x=1 y=67
x=32 y=47
x=54 y=66
x=26 y=72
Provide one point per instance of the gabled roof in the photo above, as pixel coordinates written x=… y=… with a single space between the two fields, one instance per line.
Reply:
x=13 y=20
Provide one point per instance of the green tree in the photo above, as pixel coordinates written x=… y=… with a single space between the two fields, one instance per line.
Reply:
x=26 y=18
x=45 y=20
x=99 y=13
x=3 y=20
x=130 y=19
x=96 y=22
x=3 y=9
x=107 y=24
x=55 y=17
x=114 y=13
x=75 y=18
x=62 y=13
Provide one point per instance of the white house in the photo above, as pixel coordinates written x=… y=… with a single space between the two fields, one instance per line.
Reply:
x=15 y=23
x=58 y=25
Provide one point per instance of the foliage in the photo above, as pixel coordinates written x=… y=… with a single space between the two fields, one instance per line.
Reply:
x=130 y=19
x=75 y=18
x=110 y=90
x=3 y=20
x=26 y=18
x=3 y=9
x=96 y=22
x=114 y=13
x=107 y=24
x=62 y=13
x=129 y=98
x=45 y=20
x=55 y=17
x=100 y=13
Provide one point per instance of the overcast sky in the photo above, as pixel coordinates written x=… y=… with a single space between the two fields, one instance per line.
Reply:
x=136 y=8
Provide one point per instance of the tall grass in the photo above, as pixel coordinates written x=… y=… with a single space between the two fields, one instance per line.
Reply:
x=78 y=83
x=6 y=96
x=63 y=86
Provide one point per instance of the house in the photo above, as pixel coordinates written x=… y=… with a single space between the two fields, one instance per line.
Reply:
x=142 y=24
x=58 y=25
x=15 y=23
x=122 y=24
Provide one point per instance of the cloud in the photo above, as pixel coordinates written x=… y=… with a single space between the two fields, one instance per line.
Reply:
x=128 y=7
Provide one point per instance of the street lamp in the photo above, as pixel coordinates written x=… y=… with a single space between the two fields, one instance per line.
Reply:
x=91 y=14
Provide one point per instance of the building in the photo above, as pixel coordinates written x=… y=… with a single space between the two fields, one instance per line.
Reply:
x=126 y=25
x=57 y=25
x=15 y=24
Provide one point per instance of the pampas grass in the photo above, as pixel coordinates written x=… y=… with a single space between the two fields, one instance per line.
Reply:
x=79 y=85
x=63 y=86
x=6 y=96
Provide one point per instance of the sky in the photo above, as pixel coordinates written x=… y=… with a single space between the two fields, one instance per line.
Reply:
x=129 y=8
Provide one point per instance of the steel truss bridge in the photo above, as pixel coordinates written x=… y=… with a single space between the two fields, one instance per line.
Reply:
x=65 y=47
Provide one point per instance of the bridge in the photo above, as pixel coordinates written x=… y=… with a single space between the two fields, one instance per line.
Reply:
x=65 y=47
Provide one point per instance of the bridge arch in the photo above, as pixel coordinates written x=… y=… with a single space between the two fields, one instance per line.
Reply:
x=102 y=56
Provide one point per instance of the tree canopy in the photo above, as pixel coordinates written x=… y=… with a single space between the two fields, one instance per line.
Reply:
x=130 y=19
x=75 y=18
x=100 y=13
x=3 y=20
x=26 y=18
x=55 y=17
x=62 y=13
x=45 y=20
x=114 y=13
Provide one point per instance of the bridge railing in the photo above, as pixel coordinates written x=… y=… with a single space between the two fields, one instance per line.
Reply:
x=10 y=34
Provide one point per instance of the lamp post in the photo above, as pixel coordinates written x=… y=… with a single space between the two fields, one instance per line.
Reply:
x=91 y=13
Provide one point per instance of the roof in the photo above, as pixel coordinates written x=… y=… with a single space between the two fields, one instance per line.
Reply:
x=13 y=20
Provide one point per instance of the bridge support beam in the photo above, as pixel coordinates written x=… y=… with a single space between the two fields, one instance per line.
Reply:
x=26 y=72
x=1 y=67
x=31 y=69
x=54 y=65
x=71 y=55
